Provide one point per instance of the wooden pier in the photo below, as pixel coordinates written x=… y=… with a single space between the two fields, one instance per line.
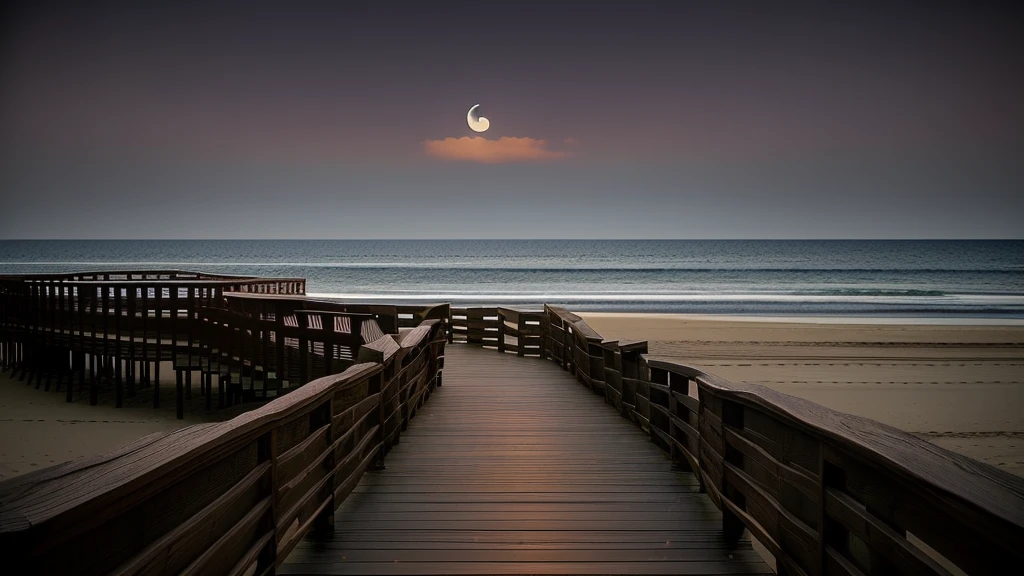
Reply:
x=513 y=467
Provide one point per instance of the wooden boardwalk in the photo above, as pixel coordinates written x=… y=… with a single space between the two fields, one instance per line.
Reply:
x=514 y=467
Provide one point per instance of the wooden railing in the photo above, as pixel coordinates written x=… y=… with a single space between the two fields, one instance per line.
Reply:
x=86 y=328
x=227 y=498
x=390 y=318
x=90 y=325
x=504 y=329
x=825 y=492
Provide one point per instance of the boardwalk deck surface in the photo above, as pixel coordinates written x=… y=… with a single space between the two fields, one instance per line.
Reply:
x=513 y=467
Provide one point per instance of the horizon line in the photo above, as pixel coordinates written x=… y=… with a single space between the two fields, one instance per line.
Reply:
x=846 y=239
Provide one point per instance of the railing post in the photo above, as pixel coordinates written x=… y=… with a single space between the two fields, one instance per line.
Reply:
x=60 y=362
x=304 y=350
x=131 y=305
x=32 y=335
x=158 y=320
x=678 y=384
x=327 y=326
x=191 y=338
x=732 y=526
x=501 y=332
x=105 y=303
x=5 y=355
x=521 y=337
x=324 y=522
x=31 y=343
x=377 y=385
x=825 y=474
x=279 y=372
x=267 y=451
x=118 y=382
x=545 y=326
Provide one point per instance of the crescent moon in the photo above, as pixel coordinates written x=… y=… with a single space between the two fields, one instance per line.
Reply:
x=477 y=123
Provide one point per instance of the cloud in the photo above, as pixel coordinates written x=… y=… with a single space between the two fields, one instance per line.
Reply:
x=504 y=149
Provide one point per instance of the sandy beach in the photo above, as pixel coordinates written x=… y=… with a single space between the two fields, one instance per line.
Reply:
x=960 y=386
x=39 y=428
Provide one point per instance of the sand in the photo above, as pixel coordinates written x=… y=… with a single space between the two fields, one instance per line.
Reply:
x=960 y=386
x=39 y=429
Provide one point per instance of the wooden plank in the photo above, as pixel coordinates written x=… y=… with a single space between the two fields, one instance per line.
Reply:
x=498 y=539
x=345 y=486
x=796 y=540
x=795 y=490
x=548 y=464
x=249 y=563
x=293 y=460
x=692 y=404
x=380 y=350
x=222 y=555
x=525 y=554
x=836 y=564
x=170 y=553
x=389 y=568
x=904 y=556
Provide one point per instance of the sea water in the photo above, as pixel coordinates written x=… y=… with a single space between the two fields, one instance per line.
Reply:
x=949 y=279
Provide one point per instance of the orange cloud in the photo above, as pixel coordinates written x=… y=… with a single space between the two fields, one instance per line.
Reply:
x=504 y=149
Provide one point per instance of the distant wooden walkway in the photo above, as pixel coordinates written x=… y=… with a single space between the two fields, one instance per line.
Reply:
x=514 y=467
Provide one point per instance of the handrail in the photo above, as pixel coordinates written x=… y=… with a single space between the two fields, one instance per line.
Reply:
x=824 y=491
x=233 y=497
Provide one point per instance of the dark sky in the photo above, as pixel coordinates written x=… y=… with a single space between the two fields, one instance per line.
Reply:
x=625 y=120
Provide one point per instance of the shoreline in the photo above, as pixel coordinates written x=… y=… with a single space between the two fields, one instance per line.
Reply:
x=976 y=308
x=819 y=319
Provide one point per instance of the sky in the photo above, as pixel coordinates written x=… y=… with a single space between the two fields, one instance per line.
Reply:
x=737 y=119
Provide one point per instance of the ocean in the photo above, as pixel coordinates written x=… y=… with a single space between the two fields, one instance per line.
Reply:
x=926 y=279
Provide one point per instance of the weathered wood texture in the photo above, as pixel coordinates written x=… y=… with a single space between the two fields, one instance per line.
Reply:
x=825 y=492
x=514 y=469
x=227 y=498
